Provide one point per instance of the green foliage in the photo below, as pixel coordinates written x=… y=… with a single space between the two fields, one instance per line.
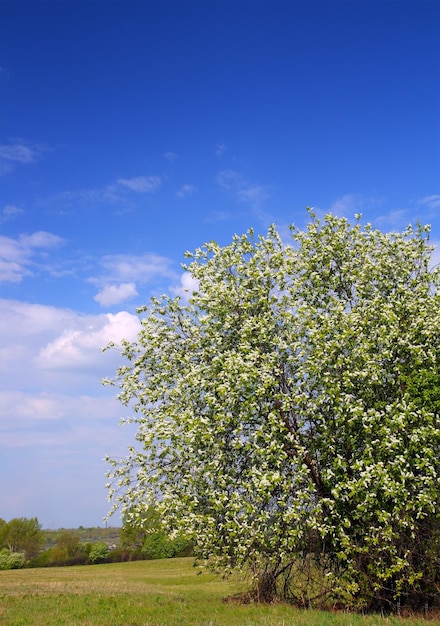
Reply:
x=149 y=537
x=288 y=414
x=157 y=545
x=99 y=552
x=11 y=560
x=22 y=535
x=44 y=559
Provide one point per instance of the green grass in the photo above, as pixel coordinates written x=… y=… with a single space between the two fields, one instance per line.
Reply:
x=149 y=593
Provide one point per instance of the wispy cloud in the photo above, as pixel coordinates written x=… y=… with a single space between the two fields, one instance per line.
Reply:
x=243 y=191
x=18 y=152
x=143 y=268
x=347 y=205
x=9 y=211
x=19 y=256
x=220 y=149
x=255 y=195
x=395 y=218
x=114 y=193
x=219 y=216
x=170 y=156
x=122 y=274
x=141 y=184
x=230 y=180
x=251 y=195
x=432 y=202
x=186 y=190
x=28 y=410
x=86 y=197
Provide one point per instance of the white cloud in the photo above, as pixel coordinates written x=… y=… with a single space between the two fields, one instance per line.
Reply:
x=18 y=255
x=188 y=284
x=21 y=321
x=132 y=268
x=79 y=346
x=41 y=239
x=220 y=149
x=52 y=442
x=186 y=190
x=114 y=294
x=12 y=272
x=122 y=273
x=58 y=349
x=141 y=184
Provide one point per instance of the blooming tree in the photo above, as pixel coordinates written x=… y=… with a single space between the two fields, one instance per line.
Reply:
x=287 y=414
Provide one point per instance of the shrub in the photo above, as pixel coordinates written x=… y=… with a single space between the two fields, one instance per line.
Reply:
x=11 y=560
x=99 y=552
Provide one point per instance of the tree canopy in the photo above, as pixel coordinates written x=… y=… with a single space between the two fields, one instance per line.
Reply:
x=21 y=535
x=287 y=413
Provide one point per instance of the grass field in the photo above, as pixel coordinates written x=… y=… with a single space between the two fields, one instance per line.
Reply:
x=149 y=593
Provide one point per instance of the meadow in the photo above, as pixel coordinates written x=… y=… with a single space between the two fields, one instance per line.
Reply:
x=169 y=592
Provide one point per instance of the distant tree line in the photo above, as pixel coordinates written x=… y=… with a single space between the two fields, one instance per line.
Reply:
x=22 y=543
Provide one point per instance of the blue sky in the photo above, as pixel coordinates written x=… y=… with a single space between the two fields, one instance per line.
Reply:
x=133 y=131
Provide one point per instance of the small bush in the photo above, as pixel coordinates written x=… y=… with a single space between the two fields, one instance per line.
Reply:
x=99 y=552
x=11 y=560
